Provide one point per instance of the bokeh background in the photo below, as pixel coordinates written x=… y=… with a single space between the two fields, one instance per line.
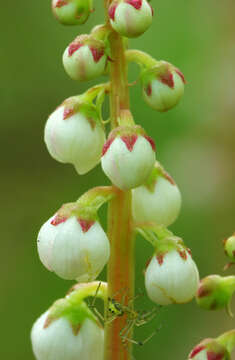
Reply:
x=195 y=142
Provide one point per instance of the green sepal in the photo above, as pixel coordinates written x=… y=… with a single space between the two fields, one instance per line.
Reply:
x=158 y=171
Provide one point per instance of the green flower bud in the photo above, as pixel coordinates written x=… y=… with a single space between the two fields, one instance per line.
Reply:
x=72 y=12
x=229 y=247
x=130 y=18
x=215 y=292
x=85 y=58
x=163 y=86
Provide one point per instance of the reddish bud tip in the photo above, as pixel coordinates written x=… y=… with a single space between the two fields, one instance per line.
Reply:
x=60 y=3
x=167 y=79
x=129 y=141
x=183 y=254
x=152 y=9
x=151 y=142
x=58 y=219
x=112 y=10
x=85 y=224
x=107 y=145
x=67 y=113
x=202 y=291
x=97 y=54
x=213 y=356
x=135 y=3
x=148 y=90
x=160 y=259
x=74 y=47
x=181 y=75
x=196 y=350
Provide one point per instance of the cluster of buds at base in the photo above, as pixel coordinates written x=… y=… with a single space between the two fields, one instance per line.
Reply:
x=68 y=332
x=128 y=156
x=229 y=248
x=209 y=349
x=158 y=200
x=85 y=58
x=74 y=134
x=73 y=244
x=171 y=276
x=163 y=86
x=215 y=292
x=72 y=12
x=130 y=18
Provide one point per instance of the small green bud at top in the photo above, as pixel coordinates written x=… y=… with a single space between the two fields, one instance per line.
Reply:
x=215 y=292
x=163 y=86
x=72 y=12
x=229 y=247
x=85 y=58
x=158 y=200
x=128 y=156
x=130 y=18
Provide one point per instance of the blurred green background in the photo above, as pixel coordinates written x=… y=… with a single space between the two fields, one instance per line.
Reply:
x=195 y=142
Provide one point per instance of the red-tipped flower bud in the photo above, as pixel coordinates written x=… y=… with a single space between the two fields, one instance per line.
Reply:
x=130 y=18
x=209 y=349
x=67 y=332
x=74 y=134
x=171 y=276
x=85 y=59
x=73 y=244
x=72 y=12
x=215 y=292
x=158 y=200
x=128 y=157
x=163 y=86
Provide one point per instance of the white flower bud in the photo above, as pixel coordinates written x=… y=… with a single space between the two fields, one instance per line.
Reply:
x=59 y=340
x=72 y=247
x=74 y=134
x=85 y=59
x=209 y=349
x=128 y=157
x=72 y=12
x=158 y=200
x=171 y=277
x=130 y=18
x=163 y=86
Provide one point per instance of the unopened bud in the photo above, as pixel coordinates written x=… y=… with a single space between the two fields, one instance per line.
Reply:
x=128 y=157
x=158 y=200
x=85 y=59
x=74 y=134
x=229 y=247
x=130 y=18
x=209 y=349
x=163 y=86
x=73 y=244
x=72 y=12
x=215 y=292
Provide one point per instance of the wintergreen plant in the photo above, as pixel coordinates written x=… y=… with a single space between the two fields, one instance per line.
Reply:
x=143 y=198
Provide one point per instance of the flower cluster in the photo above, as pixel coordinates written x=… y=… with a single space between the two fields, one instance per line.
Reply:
x=72 y=243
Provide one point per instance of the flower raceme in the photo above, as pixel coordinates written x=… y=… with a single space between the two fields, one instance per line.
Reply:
x=163 y=86
x=128 y=157
x=74 y=134
x=72 y=334
x=72 y=12
x=85 y=58
x=73 y=244
x=130 y=18
x=171 y=276
x=158 y=200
